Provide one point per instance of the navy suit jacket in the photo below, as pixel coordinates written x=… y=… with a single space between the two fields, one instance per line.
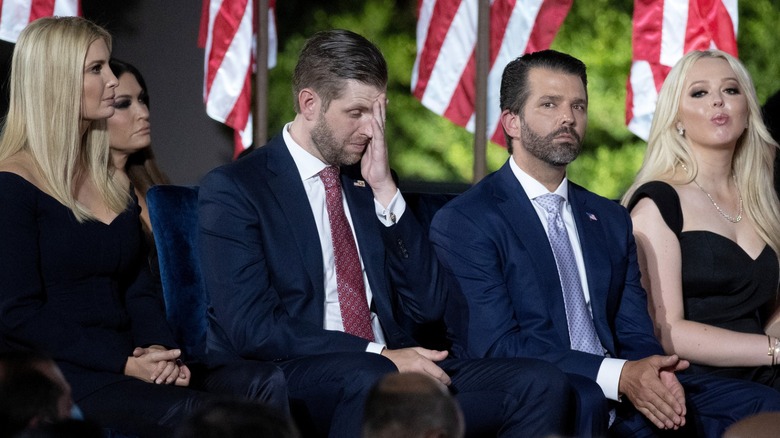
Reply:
x=263 y=268
x=506 y=298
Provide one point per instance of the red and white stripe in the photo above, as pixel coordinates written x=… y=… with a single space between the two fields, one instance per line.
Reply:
x=229 y=63
x=664 y=30
x=16 y=14
x=444 y=72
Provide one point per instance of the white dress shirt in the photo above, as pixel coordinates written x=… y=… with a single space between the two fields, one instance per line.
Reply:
x=608 y=377
x=309 y=168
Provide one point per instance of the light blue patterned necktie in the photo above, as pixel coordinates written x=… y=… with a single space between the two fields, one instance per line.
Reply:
x=582 y=332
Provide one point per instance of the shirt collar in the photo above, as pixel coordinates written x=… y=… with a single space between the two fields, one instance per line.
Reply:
x=308 y=165
x=534 y=188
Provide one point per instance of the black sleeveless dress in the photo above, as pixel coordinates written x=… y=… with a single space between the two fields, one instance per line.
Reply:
x=722 y=285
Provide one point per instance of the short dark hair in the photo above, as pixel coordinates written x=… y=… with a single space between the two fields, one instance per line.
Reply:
x=514 y=81
x=26 y=393
x=329 y=58
x=233 y=418
x=410 y=404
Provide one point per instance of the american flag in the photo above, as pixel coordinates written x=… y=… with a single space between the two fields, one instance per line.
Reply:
x=228 y=34
x=16 y=14
x=664 y=30
x=444 y=72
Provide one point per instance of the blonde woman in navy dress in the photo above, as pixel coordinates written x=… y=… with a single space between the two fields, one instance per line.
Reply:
x=74 y=282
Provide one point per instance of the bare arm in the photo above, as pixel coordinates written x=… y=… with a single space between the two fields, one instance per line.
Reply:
x=661 y=265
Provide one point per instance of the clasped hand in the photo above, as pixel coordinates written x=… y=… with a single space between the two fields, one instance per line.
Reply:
x=654 y=390
x=156 y=364
x=418 y=359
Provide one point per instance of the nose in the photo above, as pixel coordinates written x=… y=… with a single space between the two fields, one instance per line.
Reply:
x=112 y=80
x=366 y=126
x=717 y=99
x=567 y=117
x=143 y=112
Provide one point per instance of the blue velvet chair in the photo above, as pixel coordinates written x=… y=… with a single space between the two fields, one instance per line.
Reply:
x=173 y=211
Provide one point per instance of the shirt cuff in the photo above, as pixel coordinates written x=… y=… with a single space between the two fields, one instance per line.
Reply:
x=609 y=377
x=373 y=347
x=395 y=209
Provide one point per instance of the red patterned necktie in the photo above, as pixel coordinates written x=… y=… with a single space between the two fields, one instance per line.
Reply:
x=349 y=276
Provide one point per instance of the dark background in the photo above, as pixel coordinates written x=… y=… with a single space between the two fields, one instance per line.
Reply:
x=160 y=38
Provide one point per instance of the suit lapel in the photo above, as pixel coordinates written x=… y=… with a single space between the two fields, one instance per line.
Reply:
x=597 y=264
x=521 y=217
x=287 y=188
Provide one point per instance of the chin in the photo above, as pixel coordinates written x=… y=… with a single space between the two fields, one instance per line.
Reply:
x=351 y=159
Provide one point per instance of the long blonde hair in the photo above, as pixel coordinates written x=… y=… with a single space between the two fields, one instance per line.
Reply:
x=44 y=116
x=753 y=161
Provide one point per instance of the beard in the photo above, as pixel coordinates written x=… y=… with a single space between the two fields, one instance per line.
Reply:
x=333 y=152
x=546 y=149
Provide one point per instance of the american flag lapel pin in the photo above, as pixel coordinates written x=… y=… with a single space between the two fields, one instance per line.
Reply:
x=359 y=183
x=592 y=216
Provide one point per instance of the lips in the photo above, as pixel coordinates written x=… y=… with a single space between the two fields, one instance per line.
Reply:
x=566 y=134
x=720 y=119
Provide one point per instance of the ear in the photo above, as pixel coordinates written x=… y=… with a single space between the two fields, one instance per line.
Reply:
x=309 y=102
x=511 y=123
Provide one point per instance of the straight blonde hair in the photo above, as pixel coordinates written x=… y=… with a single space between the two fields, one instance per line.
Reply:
x=44 y=115
x=753 y=161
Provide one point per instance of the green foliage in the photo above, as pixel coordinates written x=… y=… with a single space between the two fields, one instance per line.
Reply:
x=427 y=147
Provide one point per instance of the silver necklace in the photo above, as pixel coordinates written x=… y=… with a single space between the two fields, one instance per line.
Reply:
x=729 y=218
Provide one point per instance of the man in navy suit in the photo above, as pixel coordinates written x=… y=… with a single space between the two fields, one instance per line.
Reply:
x=271 y=234
x=509 y=299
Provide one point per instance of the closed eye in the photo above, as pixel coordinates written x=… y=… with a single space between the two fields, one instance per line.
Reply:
x=122 y=104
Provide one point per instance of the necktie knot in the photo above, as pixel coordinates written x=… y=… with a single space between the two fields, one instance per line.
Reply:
x=330 y=177
x=551 y=202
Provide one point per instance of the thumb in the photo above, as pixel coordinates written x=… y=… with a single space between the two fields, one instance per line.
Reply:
x=669 y=361
x=434 y=355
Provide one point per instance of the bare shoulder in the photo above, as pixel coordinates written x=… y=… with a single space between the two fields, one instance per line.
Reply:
x=21 y=164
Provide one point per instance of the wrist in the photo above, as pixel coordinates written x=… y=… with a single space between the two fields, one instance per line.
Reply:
x=773 y=349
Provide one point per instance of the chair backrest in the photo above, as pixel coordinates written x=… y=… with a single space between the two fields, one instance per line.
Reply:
x=173 y=211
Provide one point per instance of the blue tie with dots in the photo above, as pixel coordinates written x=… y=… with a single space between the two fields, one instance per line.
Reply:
x=582 y=332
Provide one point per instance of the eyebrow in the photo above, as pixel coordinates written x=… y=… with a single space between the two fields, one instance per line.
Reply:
x=358 y=107
x=558 y=98
x=101 y=62
x=705 y=81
